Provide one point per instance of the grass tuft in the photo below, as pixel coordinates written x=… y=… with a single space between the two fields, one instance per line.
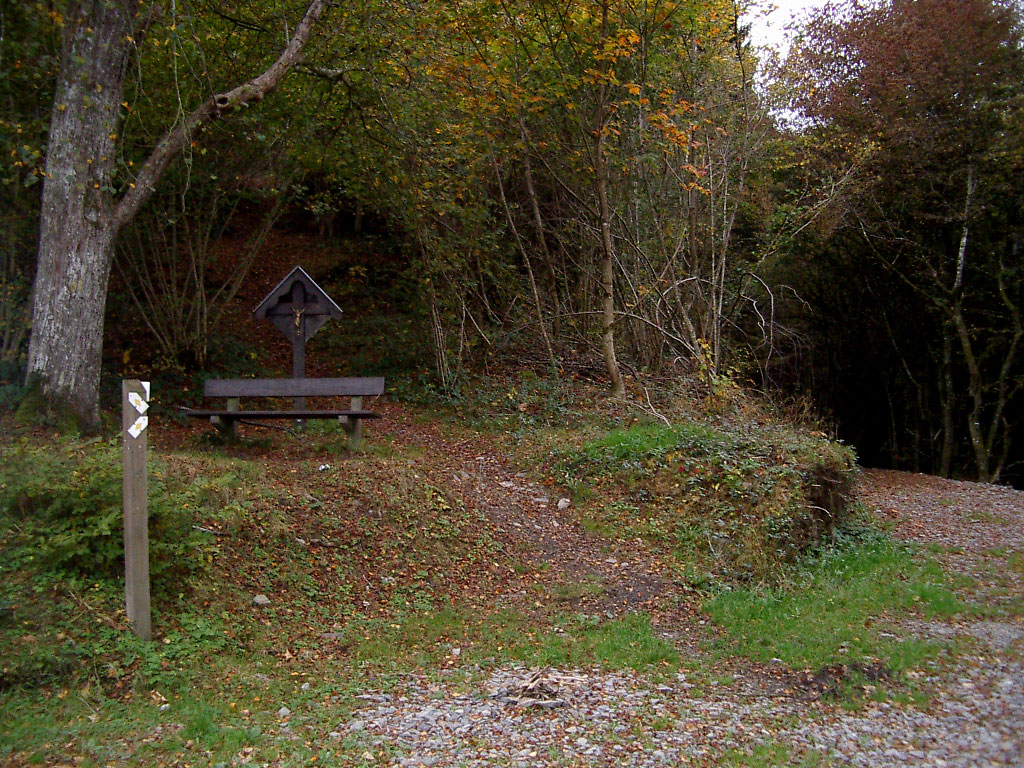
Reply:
x=831 y=613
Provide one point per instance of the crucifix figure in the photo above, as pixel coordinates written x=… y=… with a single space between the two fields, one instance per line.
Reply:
x=298 y=307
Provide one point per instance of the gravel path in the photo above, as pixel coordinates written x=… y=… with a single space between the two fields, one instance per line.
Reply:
x=466 y=717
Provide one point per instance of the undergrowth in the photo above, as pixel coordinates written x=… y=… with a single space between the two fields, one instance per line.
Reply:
x=62 y=559
x=371 y=567
x=374 y=567
x=731 y=499
x=61 y=502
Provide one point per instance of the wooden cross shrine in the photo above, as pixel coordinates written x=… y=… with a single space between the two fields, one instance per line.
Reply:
x=299 y=308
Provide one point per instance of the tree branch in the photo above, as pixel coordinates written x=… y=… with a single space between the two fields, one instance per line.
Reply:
x=219 y=104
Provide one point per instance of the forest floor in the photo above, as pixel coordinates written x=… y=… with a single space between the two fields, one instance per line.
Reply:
x=522 y=669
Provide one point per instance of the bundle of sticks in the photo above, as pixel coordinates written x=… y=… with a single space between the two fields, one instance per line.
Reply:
x=541 y=689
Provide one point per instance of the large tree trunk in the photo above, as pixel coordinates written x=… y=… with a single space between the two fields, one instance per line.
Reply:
x=76 y=232
x=80 y=216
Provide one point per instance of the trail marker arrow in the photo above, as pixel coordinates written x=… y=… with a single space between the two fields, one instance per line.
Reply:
x=136 y=400
x=138 y=427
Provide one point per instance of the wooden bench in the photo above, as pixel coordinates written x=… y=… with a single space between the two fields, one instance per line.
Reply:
x=297 y=389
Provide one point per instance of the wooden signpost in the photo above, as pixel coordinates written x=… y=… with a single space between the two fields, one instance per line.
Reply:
x=134 y=423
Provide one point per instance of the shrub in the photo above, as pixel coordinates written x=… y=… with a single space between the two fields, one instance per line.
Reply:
x=65 y=501
x=739 y=499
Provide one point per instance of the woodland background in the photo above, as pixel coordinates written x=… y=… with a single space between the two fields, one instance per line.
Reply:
x=584 y=187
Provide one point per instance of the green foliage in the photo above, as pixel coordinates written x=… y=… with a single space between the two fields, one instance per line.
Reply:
x=828 y=614
x=730 y=498
x=29 y=48
x=170 y=664
x=62 y=503
x=61 y=554
x=12 y=390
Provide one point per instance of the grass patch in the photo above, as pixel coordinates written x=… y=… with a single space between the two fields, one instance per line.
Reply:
x=419 y=640
x=827 y=615
x=770 y=755
x=1016 y=563
x=626 y=643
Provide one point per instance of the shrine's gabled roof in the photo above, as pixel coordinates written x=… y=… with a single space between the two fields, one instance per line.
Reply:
x=284 y=288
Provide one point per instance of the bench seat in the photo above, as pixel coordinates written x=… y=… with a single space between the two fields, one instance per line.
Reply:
x=339 y=387
x=254 y=414
x=297 y=389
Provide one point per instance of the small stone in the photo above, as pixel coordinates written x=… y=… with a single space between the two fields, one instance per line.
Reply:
x=563 y=504
x=283 y=712
x=261 y=601
x=304 y=686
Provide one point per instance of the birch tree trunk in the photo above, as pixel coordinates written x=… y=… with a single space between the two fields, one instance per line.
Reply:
x=607 y=277
x=605 y=222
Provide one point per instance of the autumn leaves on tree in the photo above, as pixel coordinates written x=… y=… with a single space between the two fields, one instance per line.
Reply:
x=922 y=100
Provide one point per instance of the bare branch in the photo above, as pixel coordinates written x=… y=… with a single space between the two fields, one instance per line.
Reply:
x=180 y=136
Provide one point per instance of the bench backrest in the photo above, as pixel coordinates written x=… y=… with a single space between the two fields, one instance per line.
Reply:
x=364 y=387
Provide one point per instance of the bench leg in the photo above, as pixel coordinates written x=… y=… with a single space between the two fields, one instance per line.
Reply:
x=227 y=425
x=353 y=426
